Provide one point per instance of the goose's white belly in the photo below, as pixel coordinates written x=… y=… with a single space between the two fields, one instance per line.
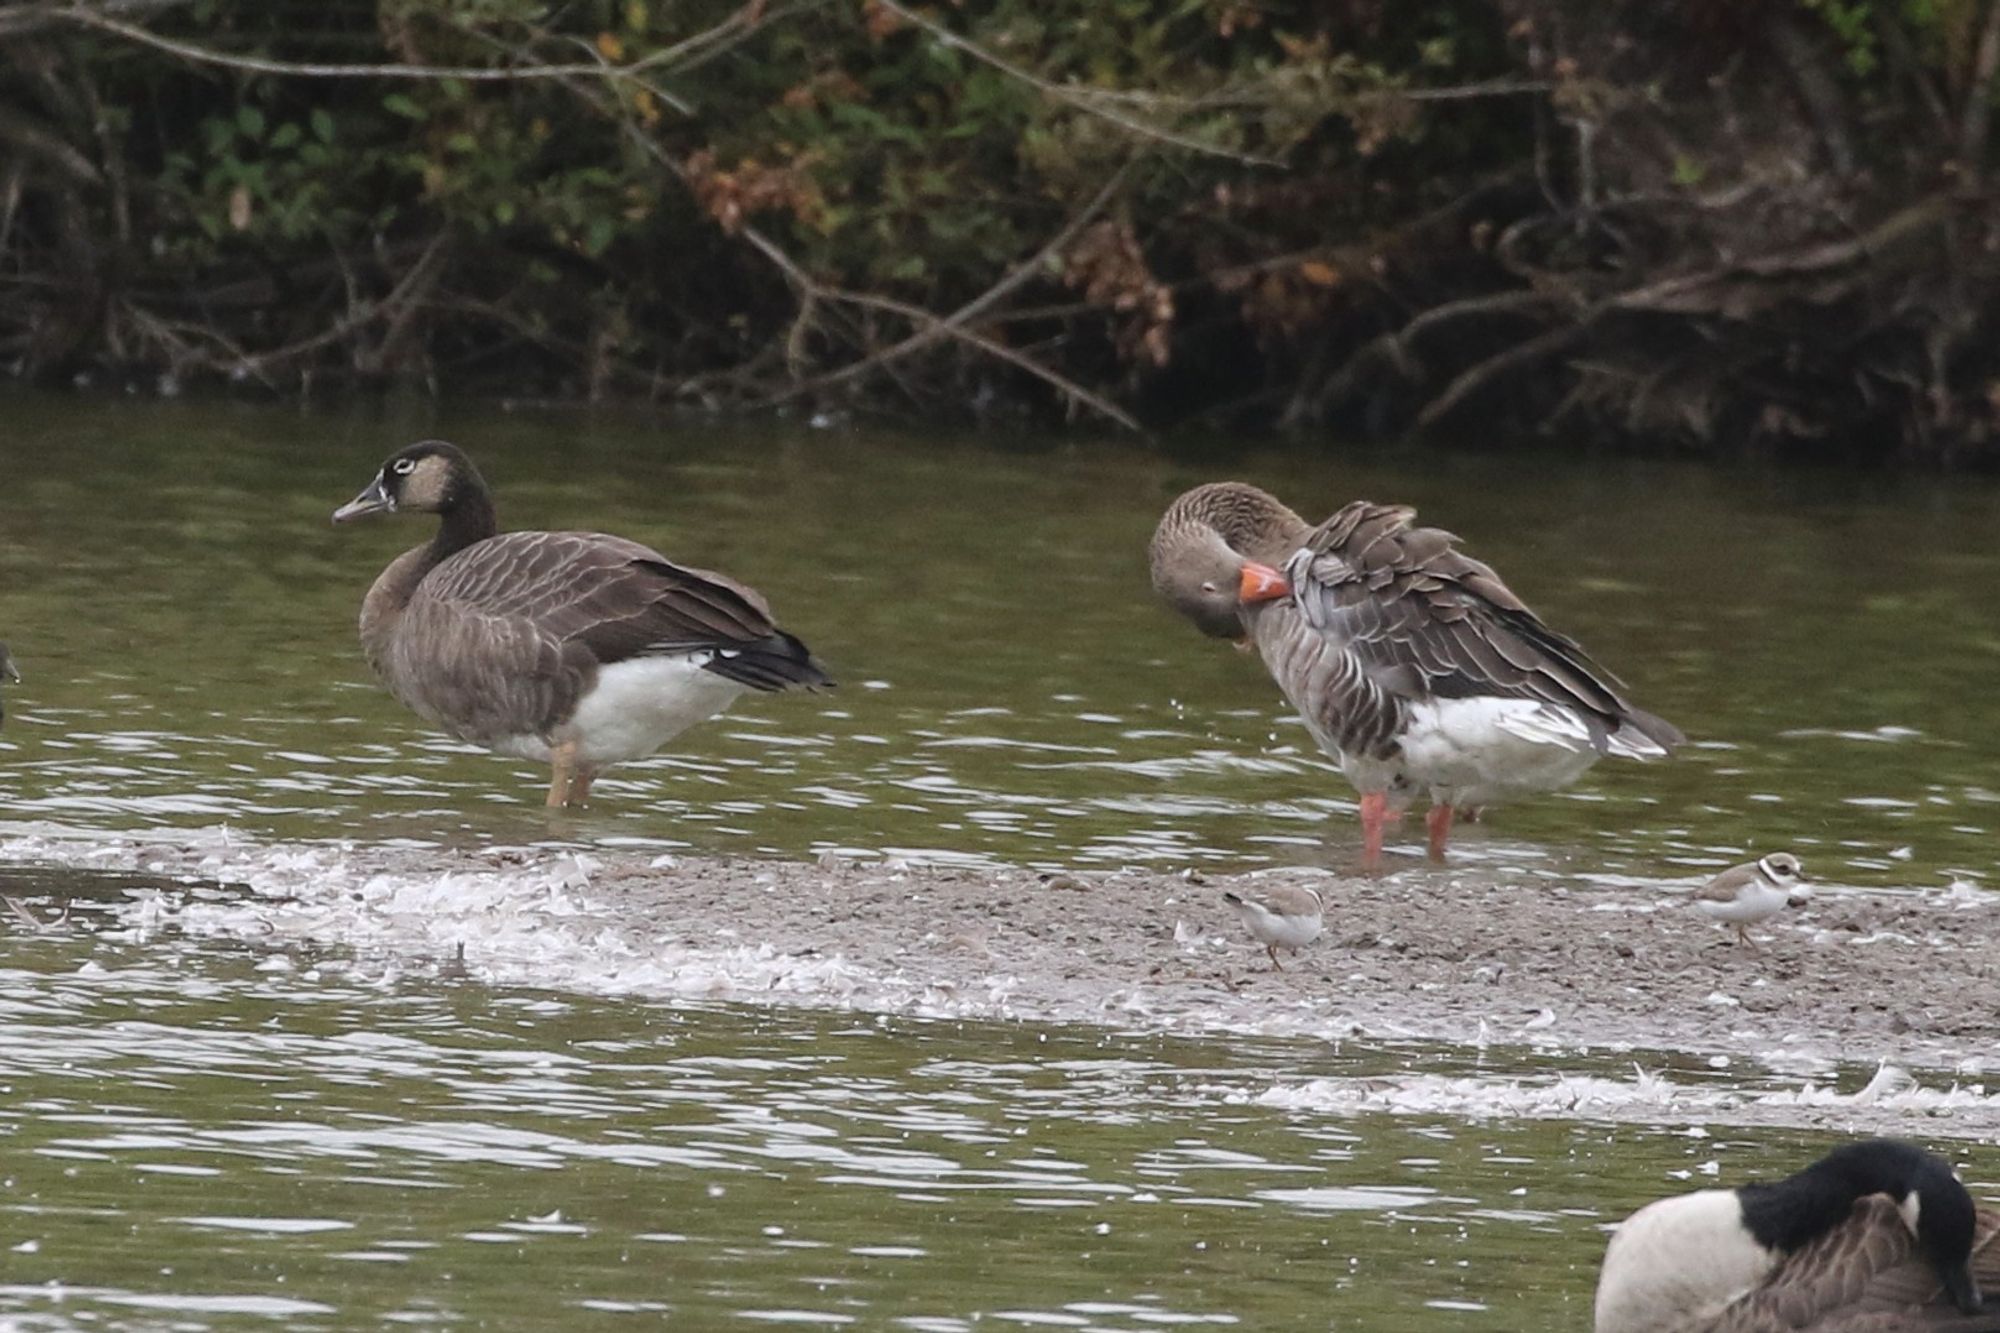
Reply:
x=1483 y=751
x=1757 y=902
x=1678 y=1262
x=634 y=708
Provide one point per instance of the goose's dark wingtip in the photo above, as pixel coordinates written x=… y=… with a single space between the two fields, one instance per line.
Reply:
x=1657 y=729
x=779 y=662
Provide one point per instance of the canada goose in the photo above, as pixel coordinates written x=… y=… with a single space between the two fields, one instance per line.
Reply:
x=1877 y=1236
x=8 y=671
x=573 y=648
x=1291 y=915
x=1752 y=892
x=1415 y=668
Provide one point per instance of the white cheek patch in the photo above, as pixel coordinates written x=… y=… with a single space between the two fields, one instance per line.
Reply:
x=1911 y=1208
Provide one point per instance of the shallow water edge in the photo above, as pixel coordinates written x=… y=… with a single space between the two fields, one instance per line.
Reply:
x=1595 y=1002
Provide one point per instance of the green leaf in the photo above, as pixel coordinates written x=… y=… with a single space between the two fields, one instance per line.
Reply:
x=322 y=124
x=400 y=104
x=251 y=121
x=287 y=135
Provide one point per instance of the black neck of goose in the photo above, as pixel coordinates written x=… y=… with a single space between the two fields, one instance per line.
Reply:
x=468 y=519
x=1791 y=1212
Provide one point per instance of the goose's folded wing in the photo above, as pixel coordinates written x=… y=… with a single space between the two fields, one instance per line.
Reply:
x=1864 y=1276
x=618 y=597
x=588 y=595
x=1424 y=619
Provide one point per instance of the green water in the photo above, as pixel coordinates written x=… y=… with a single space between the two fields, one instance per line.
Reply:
x=202 y=1135
x=184 y=613
x=225 y=1139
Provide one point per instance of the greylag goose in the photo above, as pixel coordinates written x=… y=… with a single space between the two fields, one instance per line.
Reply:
x=1874 y=1237
x=1755 y=891
x=1415 y=668
x=8 y=671
x=571 y=648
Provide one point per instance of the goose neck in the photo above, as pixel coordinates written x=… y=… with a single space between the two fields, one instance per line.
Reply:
x=469 y=519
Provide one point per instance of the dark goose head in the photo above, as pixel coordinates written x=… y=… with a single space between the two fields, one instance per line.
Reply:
x=430 y=477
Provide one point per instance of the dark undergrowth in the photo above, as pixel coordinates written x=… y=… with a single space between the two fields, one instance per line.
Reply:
x=1710 y=226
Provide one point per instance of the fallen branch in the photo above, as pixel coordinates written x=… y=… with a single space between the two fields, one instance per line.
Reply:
x=1396 y=347
x=1517 y=357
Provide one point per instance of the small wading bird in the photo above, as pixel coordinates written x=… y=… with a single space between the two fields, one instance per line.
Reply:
x=8 y=672
x=1414 y=667
x=1290 y=915
x=1875 y=1237
x=1756 y=891
x=571 y=648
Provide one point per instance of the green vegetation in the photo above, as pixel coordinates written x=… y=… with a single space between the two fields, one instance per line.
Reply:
x=1714 y=225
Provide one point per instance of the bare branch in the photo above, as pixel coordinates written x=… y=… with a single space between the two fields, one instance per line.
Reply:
x=1083 y=99
x=1818 y=90
x=1469 y=91
x=1897 y=43
x=1071 y=390
x=1977 y=113
x=949 y=325
x=1517 y=357
x=296 y=69
x=810 y=288
x=20 y=20
x=421 y=272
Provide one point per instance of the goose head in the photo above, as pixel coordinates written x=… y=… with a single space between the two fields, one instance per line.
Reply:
x=1932 y=1202
x=8 y=671
x=430 y=477
x=1205 y=542
x=1677 y=1262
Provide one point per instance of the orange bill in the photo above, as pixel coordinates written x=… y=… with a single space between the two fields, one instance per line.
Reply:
x=1261 y=583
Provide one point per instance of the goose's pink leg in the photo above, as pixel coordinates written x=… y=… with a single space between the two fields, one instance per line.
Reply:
x=1374 y=817
x=1438 y=820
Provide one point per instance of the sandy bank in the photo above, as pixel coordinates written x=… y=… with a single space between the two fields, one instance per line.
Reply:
x=1443 y=955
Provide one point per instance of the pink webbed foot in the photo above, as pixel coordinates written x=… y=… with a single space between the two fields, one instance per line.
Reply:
x=1375 y=816
x=1438 y=820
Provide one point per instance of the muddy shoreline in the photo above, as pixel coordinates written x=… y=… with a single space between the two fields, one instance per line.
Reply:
x=1563 y=969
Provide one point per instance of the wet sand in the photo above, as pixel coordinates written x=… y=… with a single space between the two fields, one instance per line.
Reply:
x=1558 y=968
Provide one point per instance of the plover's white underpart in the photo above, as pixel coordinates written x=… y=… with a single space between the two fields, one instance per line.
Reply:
x=1755 y=891
x=1290 y=915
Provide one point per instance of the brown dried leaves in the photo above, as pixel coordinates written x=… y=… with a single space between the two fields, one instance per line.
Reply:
x=1106 y=265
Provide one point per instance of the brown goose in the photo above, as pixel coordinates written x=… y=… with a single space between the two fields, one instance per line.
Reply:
x=8 y=671
x=1415 y=668
x=573 y=648
x=1875 y=1237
